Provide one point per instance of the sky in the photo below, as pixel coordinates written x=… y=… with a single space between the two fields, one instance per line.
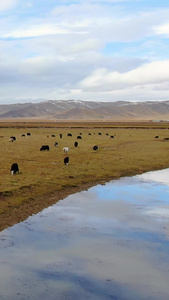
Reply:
x=100 y=50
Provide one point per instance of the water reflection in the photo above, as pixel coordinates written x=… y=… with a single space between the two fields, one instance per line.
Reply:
x=110 y=242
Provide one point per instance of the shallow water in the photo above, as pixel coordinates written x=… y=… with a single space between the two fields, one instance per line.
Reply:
x=110 y=242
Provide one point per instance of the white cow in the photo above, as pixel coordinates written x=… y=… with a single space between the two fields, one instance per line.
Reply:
x=65 y=149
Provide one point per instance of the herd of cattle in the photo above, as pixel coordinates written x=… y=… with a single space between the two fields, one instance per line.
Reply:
x=15 y=167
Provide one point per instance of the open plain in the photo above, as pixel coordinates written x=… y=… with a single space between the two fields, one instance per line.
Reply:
x=43 y=179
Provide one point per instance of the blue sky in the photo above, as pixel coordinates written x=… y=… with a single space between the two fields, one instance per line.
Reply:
x=90 y=50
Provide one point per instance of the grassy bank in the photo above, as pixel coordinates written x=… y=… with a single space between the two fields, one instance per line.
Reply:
x=43 y=178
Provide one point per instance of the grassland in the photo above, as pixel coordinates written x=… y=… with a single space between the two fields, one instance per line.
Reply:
x=43 y=178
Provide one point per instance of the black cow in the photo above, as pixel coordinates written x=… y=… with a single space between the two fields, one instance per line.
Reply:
x=53 y=135
x=60 y=136
x=28 y=133
x=56 y=144
x=13 y=138
x=165 y=139
x=69 y=134
x=23 y=134
x=44 y=147
x=76 y=144
x=80 y=133
x=99 y=133
x=66 y=161
x=107 y=134
x=156 y=137
x=95 y=147
x=14 y=168
x=89 y=133
x=79 y=137
x=112 y=136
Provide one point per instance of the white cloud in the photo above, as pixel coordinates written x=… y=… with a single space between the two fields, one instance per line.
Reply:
x=7 y=4
x=163 y=29
x=152 y=73
x=112 y=23
x=40 y=30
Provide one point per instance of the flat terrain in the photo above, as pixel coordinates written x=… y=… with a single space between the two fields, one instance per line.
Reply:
x=43 y=178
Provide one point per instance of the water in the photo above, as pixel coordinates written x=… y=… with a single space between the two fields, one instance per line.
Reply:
x=110 y=242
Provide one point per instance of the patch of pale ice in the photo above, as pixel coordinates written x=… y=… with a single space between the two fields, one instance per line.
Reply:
x=161 y=176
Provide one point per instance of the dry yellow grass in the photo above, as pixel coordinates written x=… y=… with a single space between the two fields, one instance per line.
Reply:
x=43 y=174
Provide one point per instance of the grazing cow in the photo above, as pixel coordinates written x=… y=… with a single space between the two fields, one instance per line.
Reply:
x=44 y=147
x=53 y=135
x=23 y=135
x=56 y=144
x=89 y=133
x=80 y=133
x=69 y=134
x=76 y=144
x=156 y=137
x=95 y=147
x=60 y=136
x=28 y=133
x=107 y=134
x=99 y=133
x=66 y=161
x=165 y=139
x=79 y=137
x=112 y=136
x=13 y=137
x=65 y=149
x=11 y=140
x=14 y=168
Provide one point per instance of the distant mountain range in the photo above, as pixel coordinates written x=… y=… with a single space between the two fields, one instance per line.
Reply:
x=78 y=109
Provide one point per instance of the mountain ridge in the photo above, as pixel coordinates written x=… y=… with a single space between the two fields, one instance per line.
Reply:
x=80 y=109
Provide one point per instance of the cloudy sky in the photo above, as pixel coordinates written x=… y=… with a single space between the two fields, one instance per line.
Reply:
x=105 y=50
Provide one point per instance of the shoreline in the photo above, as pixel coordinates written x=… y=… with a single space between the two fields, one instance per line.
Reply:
x=19 y=213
